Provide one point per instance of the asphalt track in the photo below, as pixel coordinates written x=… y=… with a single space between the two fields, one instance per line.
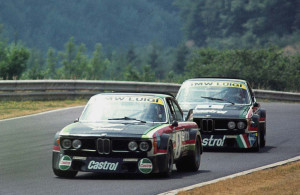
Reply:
x=26 y=149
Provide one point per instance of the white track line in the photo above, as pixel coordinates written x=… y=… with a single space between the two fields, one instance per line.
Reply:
x=41 y=113
x=297 y=158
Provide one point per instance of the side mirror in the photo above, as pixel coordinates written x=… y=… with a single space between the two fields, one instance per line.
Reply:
x=175 y=124
x=256 y=105
x=76 y=120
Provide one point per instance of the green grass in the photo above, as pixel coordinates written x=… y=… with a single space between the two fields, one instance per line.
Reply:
x=10 y=109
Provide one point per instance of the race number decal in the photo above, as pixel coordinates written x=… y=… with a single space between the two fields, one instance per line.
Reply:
x=178 y=141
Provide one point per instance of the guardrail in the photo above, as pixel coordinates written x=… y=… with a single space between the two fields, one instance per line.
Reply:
x=71 y=89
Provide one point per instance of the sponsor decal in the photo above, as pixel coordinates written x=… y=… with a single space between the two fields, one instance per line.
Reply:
x=145 y=166
x=105 y=165
x=219 y=142
x=210 y=111
x=252 y=138
x=216 y=84
x=65 y=163
x=136 y=99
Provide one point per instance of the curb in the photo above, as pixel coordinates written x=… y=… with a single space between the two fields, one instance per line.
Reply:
x=297 y=158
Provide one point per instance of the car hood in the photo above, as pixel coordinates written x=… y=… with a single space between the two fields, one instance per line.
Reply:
x=135 y=129
x=219 y=110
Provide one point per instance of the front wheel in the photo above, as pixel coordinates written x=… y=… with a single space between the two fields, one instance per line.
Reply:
x=192 y=162
x=263 y=136
x=65 y=174
x=257 y=144
x=169 y=162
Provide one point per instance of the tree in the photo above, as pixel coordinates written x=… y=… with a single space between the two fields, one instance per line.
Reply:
x=98 y=63
x=35 y=66
x=51 y=62
x=181 y=56
x=14 y=62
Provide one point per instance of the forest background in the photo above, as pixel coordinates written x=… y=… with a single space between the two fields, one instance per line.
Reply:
x=152 y=40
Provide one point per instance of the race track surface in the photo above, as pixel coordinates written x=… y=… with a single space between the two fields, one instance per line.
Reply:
x=26 y=152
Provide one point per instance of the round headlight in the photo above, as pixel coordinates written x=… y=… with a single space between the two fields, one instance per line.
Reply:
x=132 y=146
x=144 y=146
x=66 y=143
x=241 y=125
x=76 y=144
x=231 y=125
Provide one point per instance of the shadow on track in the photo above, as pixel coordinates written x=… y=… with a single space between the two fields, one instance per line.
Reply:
x=265 y=149
x=132 y=176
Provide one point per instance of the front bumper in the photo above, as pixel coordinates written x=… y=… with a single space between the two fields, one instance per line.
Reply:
x=154 y=164
x=245 y=140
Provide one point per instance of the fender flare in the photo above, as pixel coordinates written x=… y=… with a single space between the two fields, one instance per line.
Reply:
x=164 y=141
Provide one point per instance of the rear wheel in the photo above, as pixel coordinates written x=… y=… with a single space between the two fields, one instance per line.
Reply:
x=192 y=162
x=66 y=174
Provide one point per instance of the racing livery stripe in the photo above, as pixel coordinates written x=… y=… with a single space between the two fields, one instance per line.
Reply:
x=262 y=119
x=67 y=130
x=149 y=133
x=56 y=148
x=244 y=112
x=192 y=141
x=242 y=141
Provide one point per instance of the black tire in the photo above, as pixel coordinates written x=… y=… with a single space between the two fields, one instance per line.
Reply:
x=256 y=146
x=169 y=162
x=263 y=136
x=65 y=174
x=191 y=163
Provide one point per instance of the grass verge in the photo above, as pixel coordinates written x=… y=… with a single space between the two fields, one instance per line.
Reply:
x=10 y=109
x=283 y=179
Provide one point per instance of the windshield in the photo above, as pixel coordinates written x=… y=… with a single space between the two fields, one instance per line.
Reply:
x=213 y=91
x=135 y=108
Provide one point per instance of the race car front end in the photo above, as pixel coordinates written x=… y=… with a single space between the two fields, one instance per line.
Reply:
x=228 y=131
x=107 y=155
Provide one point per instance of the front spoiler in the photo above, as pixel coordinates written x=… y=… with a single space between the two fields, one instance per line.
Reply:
x=154 y=164
x=246 y=140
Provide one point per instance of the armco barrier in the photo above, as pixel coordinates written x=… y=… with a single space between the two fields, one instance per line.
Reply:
x=70 y=89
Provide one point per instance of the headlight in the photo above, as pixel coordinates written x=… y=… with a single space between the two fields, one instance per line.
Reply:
x=144 y=146
x=132 y=146
x=76 y=144
x=66 y=143
x=241 y=125
x=231 y=125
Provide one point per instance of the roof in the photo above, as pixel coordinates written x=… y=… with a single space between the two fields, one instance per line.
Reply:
x=138 y=94
x=216 y=79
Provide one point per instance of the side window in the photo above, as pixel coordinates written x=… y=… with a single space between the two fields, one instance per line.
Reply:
x=251 y=93
x=175 y=111
x=178 y=113
x=171 y=110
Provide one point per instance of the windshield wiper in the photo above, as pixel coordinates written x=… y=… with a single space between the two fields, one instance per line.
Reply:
x=127 y=118
x=219 y=99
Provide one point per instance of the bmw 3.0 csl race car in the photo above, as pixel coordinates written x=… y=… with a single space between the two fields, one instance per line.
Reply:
x=226 y=112
x=128 y=133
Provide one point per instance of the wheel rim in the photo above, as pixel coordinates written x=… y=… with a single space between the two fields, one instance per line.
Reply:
x=170 y=160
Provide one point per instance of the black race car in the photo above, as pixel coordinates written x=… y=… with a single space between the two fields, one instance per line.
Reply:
x=128 y=133
x=226 y=112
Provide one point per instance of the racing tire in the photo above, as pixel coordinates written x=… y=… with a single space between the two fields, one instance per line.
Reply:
x=191 y=163
x=257 y=144
x=169 y=162
x=65 y=174
x=263 y=136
